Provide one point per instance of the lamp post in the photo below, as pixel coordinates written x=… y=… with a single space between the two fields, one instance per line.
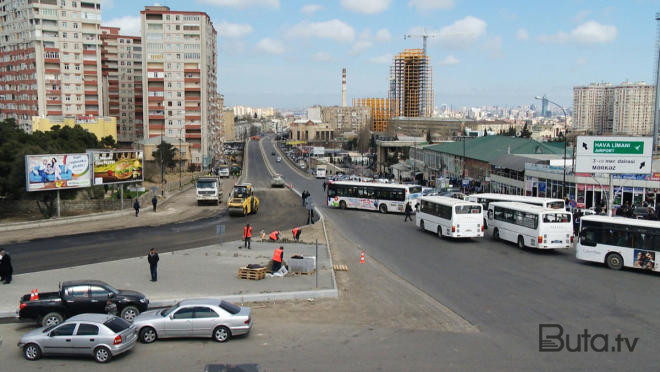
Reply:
x=180 y=157
x=563 y=186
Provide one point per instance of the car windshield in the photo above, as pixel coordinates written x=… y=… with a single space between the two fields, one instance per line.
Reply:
x=240 y=191
x=117 y=325
x=205 y=184
x=229 y=307
x=47 y=329
x=111 y=289
x=168 y=311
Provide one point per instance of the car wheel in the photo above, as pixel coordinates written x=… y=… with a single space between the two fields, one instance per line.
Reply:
x=102 y=354
x=52 y=319
x=614 y=261
x=382 y=208
x=342 y=204
x=129 y=313
x=221 y=334
x=521 y=242
x=421 y=225
x=148 y=335
x=32 y=352
x=496 y=234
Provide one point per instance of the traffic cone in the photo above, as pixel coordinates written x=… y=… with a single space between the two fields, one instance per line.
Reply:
x=362 y=257
x=32 y=295
x=36 y=294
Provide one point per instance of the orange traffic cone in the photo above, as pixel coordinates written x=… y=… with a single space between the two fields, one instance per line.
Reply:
x=36 y=294
x=362 y=258
x=32 y=295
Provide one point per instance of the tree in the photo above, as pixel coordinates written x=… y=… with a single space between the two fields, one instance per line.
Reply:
x=525 y=133
x=168 y=154
x=108 y=142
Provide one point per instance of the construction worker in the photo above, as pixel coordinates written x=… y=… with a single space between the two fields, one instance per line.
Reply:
x=296 y=233
x=247 y=236
x=278 y=256
x=274 y=236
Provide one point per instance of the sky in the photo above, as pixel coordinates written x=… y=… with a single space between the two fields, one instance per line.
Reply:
x=289 y=54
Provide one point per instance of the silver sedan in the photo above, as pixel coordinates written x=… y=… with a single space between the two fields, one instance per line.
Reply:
x=217 y=319
x=99 y=335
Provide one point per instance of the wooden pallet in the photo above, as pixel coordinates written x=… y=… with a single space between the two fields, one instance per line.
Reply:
x=302 y=273
x=251 y=274
x=341 y=268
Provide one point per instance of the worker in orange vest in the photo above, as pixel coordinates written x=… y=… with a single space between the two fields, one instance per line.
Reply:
x=274 y=236
x=247 y=236
x=278 y=256
x=296 y=233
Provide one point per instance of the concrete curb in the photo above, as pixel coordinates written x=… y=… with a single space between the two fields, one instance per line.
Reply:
x=260 y=297
x=294 y=167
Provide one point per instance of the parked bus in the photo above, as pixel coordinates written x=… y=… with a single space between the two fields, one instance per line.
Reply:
x=320 y=171
x=486 y=199
x=530 y=225
x=450 y=217
x=619 y=242
x=372 y=196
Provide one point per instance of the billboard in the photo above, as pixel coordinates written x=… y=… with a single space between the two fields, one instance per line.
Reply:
x=627 y=155
x=118 y=166
x=57 y=172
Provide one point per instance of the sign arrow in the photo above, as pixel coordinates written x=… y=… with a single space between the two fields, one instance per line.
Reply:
x=584 y=144
x=642 y=164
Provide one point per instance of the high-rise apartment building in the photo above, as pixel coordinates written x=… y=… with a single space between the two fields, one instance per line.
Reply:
x=49 y=59
x=179 y=77
x=380 y=109
x=121 y=64
x=603 y=108
x=411 y=84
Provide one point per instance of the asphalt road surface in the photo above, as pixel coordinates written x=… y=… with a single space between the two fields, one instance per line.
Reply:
x=508 y=292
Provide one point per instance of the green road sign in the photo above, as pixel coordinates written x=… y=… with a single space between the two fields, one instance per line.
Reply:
x=619 y=147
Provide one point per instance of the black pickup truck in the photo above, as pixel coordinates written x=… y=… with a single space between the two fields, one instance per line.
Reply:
x=78 y=297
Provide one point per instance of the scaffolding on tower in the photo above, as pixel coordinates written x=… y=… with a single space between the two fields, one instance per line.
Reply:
x=411 y=88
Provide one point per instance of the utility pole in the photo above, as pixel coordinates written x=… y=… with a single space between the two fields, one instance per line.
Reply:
x=162 y=170
x=180 y=158
x=656 y=107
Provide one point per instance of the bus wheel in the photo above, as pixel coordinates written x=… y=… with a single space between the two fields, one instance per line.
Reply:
x=342 y=204
x=421 y=225
x=383 y=208
x=496 y=234
x=521 y=242
x=614 y=261
x=440 y=232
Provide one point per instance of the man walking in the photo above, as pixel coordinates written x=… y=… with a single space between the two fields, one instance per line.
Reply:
x=6 y=270
x=408 y=212
x=247 y=236
x=154 y=201
x=324 y=184
x=136 y=205
x=278 y=255
x=310 y=216
x=153 y=264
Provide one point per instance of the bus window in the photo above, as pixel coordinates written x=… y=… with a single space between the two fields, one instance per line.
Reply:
x=468 y=209
x=332 y=192
x=556 y=205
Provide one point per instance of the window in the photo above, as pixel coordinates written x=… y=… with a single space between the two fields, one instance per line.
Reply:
x=97 y=291
x=205 y=312
x=77 y=291
x=468 y=209
x=556 y=218
x=64 y=330
x=185 y=313
x=117 y=325
x=87 y=330
x=229 y=307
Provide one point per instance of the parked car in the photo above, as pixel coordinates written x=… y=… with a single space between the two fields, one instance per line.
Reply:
x=78 y=297
x=217 y=319
x=278 y=159
x=273 y=153
x=101 y=336
x=277 y=181
x=643 y=213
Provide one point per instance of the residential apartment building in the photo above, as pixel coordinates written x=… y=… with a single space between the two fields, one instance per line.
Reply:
x=346 y=118
x=121 y=64
x=179 y=77
x=602 y=108
x=49 y=59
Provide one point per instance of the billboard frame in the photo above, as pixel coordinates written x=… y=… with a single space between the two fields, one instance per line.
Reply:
x=90 y=171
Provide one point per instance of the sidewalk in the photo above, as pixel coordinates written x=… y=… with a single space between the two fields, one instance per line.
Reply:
x=209 y=271
x=181 y=206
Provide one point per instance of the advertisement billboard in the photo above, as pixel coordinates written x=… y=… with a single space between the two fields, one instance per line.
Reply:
x=57 y=172
x=118 y=166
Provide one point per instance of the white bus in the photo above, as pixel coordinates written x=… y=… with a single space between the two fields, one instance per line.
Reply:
x=320 y=171
x=372 y=196
x=450 y=217
x=619 y=242
x=530 y=225
x=486 y=199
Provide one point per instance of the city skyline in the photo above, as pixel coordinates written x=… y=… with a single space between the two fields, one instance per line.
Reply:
x=290 y=54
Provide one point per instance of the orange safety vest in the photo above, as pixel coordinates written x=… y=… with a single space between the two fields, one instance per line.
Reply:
x=247 y=232
x=295 y=230
x=277 y=255
x=273 y=235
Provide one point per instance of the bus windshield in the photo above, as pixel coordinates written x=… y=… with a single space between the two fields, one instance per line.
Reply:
x=468 y=209
x=556 y=218
x=415 y=189
x=556 y=205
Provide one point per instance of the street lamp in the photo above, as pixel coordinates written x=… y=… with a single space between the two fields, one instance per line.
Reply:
x=563 y=187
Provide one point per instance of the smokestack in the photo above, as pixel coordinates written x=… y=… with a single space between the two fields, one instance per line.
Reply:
x=343 y=87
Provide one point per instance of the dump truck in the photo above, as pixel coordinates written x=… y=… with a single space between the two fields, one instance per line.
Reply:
x=209 y=190
x=242 y=200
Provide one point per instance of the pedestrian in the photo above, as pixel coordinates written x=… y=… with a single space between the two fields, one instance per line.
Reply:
x=408 y=212
x=247 y=236
x=310 y=216
x=274 y=236
x=6 y=270
x=136 y=205
x=110 y=307
x=324 y=185
x=278 y=256
x=153 y=264
x=154 y=201
x=304 y=197
x=296 y=233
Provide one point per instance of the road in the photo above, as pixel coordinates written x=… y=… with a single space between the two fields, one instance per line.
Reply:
x=508 y=292
x=279 y=209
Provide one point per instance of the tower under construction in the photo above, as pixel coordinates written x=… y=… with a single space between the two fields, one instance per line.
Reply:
x=411 y=80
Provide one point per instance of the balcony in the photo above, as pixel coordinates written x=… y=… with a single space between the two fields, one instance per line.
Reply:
x=91 y=82
x=54 y=101
x=92 y=102
x=193 y=118
x=193 y=127
x=194 y=135
x=89 y=72
x=192 y=89
x=89 y=63
x=156 y=99
x=91 y=52
x=193 y=98
x=196 y=145
x=191 y=70
x=156 y=127
x=191 y=80
x=54 y=112
x=155 y=88
x=156 y=117
x=52 y=60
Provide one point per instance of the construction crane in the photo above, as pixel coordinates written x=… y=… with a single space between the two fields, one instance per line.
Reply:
x=424 y=37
